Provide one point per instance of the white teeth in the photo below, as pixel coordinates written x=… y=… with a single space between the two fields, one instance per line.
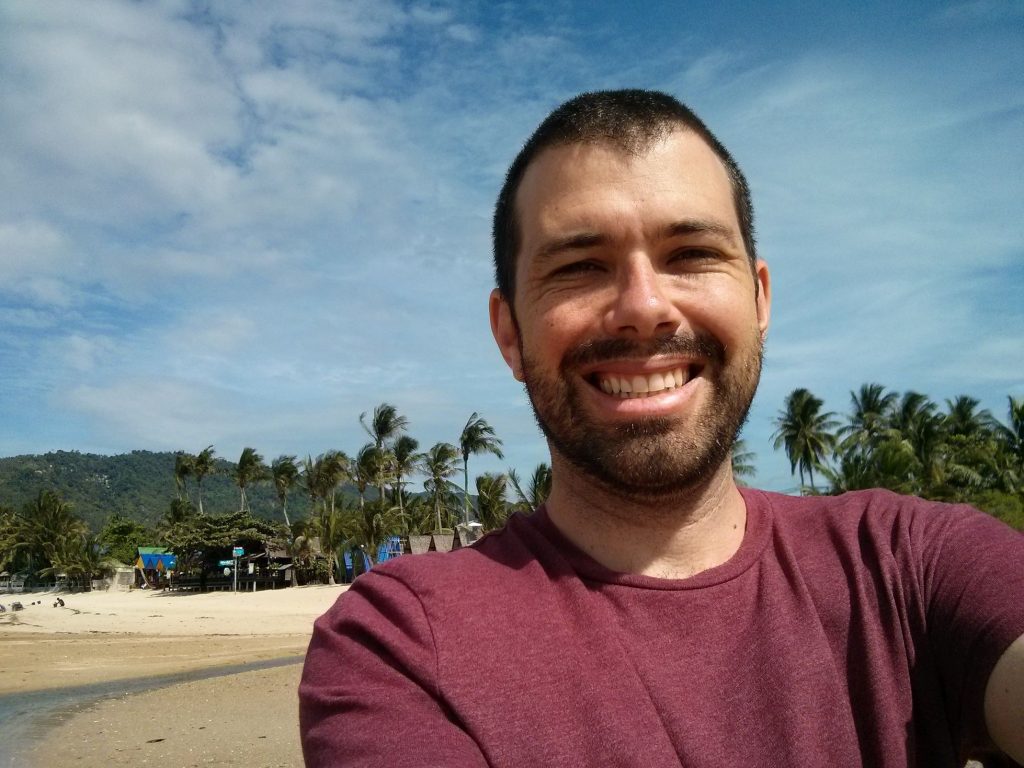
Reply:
x=641 y=386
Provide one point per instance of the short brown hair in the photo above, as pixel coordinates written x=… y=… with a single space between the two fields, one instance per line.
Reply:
x=628 y=119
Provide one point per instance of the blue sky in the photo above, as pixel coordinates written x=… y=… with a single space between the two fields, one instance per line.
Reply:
x=247 y=223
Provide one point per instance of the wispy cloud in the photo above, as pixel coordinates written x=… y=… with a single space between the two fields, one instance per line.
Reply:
x=247 y=224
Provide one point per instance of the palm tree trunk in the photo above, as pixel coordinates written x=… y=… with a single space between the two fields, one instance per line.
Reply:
x=284 y=509
x=465 y=487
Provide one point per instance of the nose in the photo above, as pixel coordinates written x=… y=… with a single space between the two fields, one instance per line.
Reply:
x=643 y=306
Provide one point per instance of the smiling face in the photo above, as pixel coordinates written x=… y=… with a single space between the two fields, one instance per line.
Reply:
x=637 y=327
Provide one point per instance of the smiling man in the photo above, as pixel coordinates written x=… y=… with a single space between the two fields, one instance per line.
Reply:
x=652 y=613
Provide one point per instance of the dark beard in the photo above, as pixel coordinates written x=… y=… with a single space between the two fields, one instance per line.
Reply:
x=647 y=457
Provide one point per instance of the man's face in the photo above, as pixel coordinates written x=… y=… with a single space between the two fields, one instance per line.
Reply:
x=637 y=328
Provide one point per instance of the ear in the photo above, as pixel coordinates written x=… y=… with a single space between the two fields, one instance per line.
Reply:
x=506 y=333
x=764 y=297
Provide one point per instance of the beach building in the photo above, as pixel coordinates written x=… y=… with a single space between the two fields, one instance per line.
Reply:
x=153 y=566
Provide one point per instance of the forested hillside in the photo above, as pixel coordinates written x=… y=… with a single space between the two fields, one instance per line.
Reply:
x=138 y=486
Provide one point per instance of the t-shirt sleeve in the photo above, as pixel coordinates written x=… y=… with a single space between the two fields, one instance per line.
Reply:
x=974 y=584
x=369 y=693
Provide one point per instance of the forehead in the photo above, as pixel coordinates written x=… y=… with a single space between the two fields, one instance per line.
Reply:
x=608 y=190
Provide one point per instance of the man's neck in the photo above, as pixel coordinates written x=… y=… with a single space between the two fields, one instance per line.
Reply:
x=671 y=537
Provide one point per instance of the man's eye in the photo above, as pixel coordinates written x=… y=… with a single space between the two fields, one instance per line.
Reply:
x=576 y=267
x=694 y=254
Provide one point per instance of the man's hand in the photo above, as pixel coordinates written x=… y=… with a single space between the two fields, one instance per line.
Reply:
x=1004 y=701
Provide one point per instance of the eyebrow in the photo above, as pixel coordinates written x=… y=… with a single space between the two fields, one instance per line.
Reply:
x=700 y=227
x=575 y=242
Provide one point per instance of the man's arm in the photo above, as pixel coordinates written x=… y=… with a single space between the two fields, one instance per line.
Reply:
x=1004 y=701
x=370 y=693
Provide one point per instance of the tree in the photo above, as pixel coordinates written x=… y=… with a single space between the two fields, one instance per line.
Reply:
x=46 y=536
x=322 y=478
x=537 y=490
x=440 y=463
x=250 y=469
x=1011 y=434
x=805 y=433
x=284 y=473
x=202 y=465
x=492 y=507
x=183 y=463
x=122 y=537
x=743 y=468
x=963 y=418
x=368 y=468
x=406 y=461
x=865 y=425
x=385 y=428
x=477 y=437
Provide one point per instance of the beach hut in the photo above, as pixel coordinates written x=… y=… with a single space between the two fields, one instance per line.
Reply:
x=153 y=564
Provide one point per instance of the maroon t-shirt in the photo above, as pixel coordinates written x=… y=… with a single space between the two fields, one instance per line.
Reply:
x=855 y=630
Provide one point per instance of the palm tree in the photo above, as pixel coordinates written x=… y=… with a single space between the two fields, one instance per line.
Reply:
x=182 y=469
x=333 y=469
x=367 y=468
x=805 y=433
x=743 y=468
x=284 y=473
x=914 y=422
x=477 y=437
x=866 y=422
x=405 y=461
x=385 y=427
x=538 y=489
x=250 y=469
x=440 y=463
x=492 y=508
x=202 y=465
x=964 y=419
x=1011 y=435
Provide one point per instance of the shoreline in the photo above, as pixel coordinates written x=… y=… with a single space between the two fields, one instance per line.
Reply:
x=156 y=677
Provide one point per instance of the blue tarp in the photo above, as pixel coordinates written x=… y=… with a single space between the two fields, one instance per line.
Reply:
x=153 y=562
x=349 y=572
x=389 y=549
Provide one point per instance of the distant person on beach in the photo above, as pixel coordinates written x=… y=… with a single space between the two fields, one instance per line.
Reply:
x=652 y=613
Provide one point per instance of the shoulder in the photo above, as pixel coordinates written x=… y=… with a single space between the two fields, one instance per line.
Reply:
x=492 y=564
x=872 y=508
x=890 y=524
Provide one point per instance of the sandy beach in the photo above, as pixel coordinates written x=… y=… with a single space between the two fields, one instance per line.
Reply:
x=246 y=718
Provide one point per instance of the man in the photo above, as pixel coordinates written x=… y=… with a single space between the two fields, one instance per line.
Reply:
x=652 y=613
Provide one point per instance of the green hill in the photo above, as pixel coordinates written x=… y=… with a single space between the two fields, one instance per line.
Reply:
x=137 y=485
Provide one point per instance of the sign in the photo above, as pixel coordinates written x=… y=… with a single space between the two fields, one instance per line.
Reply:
x=237 y=552
x=228 y=563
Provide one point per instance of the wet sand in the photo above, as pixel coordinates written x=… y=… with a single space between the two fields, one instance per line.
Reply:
x=248 y=718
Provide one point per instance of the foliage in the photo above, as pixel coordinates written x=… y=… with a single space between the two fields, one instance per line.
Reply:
x=477 y=437
x=121 y=538
x=199 y=540
x=804 y=432
x=134 y=485
x=47 y=541
x=909 y=444
x=440 y=463
x=537 y=490
x=743 y=468
x=492 y=507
